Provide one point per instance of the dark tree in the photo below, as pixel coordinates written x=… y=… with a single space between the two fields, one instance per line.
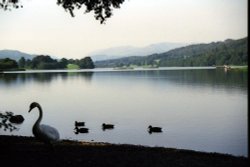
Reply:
x=71 y=61
x=7 y=63
x=21 y=62
x=63 y=63
x=43 y=62
x=28 y=63
x=101 y=8
x=86 y=63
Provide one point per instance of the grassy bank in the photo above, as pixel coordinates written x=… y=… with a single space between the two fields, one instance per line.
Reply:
x=240 y=68
x=27 y=151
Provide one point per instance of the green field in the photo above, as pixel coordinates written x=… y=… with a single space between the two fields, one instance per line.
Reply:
x=72 y=67
x=239 y=68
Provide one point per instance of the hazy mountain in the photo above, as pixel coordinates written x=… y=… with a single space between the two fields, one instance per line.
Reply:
x=125 y=51
x=14 y=54
x=233 y=52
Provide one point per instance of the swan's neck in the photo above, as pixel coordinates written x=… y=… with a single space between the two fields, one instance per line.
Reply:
x=36 y=125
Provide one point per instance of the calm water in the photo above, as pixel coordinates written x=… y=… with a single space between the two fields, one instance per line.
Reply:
x=199 y=109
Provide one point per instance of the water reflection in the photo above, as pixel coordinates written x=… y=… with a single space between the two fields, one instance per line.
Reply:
x=206 y=77
x=22 y=78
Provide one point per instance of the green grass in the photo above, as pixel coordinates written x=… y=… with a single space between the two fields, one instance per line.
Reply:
x=72 y=67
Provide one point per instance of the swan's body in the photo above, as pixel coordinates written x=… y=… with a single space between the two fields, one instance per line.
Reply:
x=44 y=133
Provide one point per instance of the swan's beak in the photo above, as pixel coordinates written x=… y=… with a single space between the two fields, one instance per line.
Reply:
x=30 y=109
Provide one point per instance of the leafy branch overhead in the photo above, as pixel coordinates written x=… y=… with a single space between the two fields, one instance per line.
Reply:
x=7 y=4
x=101 y=8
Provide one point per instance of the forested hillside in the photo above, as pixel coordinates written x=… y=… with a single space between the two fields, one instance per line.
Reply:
x=231 y=52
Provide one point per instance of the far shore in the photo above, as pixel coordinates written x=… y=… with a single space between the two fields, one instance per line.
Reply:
x=232 y=67
x=27 y=151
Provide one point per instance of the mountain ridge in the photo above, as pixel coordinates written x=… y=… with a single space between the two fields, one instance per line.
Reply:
x=126 y=51
x=15 y=54
x=228 y=51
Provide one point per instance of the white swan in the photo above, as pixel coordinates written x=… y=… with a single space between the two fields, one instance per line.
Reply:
x=45 y=133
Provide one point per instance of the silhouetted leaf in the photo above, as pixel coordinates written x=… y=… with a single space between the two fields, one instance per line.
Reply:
x=5 y=123
x=101 y=8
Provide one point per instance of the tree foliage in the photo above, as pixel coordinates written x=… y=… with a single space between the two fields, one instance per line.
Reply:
x=86 y=63
x=46 y=62
x=8 y=64
x=5 y=121
x=8 y=4
x=22 y=62
x=101 y=8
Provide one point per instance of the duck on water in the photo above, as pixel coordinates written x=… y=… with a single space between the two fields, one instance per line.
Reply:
x=107 y=126
x=152 y=129
x=81 y=130
x=79 y=123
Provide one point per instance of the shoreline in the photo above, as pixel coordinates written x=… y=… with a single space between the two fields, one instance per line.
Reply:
x=27 y=151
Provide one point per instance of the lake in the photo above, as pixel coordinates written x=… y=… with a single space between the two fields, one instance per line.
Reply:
x=203 y=109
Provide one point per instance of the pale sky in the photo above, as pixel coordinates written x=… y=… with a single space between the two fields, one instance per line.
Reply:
x=43 y=27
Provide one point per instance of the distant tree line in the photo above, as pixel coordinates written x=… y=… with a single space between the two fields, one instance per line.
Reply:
x=45 y=62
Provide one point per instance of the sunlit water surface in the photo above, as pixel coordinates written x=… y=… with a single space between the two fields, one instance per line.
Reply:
x=202 y=109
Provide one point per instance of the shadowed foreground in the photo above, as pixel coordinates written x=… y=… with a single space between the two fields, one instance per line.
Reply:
x=27 y=151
